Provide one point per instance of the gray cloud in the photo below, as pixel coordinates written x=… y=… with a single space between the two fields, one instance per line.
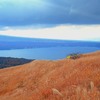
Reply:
x=34 y=12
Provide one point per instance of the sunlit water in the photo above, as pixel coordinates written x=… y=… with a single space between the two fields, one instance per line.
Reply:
x=51 y=53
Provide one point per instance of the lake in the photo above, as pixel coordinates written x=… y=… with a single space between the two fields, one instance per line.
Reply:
x=48 y=53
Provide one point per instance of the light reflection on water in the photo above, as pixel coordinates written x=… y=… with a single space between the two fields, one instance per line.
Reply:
x=52 y=53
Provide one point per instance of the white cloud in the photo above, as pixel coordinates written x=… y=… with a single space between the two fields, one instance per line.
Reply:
x=76 y=32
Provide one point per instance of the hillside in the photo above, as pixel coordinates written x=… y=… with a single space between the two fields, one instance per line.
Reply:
x=65 y=79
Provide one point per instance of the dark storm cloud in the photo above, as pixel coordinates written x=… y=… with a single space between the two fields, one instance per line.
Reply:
x=34 y=12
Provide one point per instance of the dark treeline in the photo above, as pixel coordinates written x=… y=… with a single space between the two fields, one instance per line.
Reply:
x=8 y=61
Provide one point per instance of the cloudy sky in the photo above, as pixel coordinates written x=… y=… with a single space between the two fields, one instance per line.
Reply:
x=57 y=19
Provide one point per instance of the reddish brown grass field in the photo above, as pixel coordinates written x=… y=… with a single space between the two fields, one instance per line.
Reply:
x=65 y=79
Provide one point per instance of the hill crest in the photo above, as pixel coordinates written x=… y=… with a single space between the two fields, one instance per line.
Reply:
x=53 y=80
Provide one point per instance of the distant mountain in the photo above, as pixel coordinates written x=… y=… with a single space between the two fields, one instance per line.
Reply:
x=10 y=42
x=8 y=61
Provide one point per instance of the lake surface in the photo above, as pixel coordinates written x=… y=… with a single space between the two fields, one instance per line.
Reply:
x=49 y=53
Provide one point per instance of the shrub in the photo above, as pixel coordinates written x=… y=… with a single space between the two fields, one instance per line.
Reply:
x=74 y=56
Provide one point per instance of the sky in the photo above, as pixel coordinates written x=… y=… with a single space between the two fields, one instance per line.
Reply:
x=55 y=19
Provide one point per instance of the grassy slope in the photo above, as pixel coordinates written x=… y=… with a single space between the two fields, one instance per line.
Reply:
x=65 y=79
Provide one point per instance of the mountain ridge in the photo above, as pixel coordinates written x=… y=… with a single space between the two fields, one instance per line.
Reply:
x=10 y=42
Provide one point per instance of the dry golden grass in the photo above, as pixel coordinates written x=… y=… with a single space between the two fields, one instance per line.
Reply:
x=65 y=79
